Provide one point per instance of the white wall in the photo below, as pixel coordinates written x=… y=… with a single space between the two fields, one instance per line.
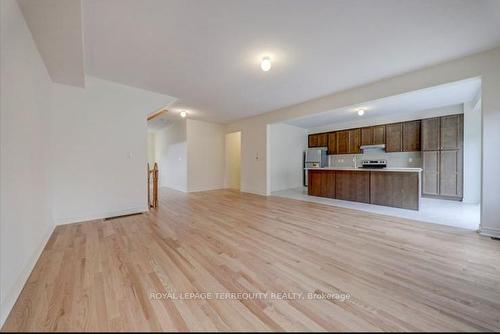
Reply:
x=25 y=218
x=472 y=151
x=285 y=156
x=206 y=155
x=190 y=155
x=99 y=149
x=485 y=65
x=151 y=148
x=233 y=160
x=171 y=155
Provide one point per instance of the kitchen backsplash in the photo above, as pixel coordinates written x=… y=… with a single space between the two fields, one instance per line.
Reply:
x=397 y=159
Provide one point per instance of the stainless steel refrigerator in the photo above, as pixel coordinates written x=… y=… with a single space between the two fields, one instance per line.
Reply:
x=314 y=158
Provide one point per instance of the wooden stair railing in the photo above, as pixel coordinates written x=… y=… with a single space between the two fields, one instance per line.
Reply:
x=153 y=186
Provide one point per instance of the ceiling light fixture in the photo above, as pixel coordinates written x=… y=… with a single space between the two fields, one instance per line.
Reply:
x=183 y=114
x=265 y=64
x=361 y=112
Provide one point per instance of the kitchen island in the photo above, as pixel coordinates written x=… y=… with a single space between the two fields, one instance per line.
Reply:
x=395 y=187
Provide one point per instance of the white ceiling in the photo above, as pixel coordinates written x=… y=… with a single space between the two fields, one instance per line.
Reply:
x=56 y=26
x=417 y=101
x=206 y=53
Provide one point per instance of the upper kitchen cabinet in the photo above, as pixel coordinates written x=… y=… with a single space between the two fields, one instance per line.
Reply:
x=318 y=140
x=442 y=133
x=373 y=135
x=431 y=131
x=323 y=139
x=313 y=141
x=343 y=142
x=367 y=136
x=332 y=143
x=348 y=141
x=411 y=136
x=451 y=132
x=354 y=141
x=378 y=134
x=394 y=137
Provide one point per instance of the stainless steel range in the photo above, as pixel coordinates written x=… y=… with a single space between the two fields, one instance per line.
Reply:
x=382 y=163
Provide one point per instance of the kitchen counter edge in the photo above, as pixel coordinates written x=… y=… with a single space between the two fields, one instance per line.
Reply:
x=387 y=169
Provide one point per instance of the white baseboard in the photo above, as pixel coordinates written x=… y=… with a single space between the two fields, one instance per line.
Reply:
x=489 y=232
x=198 y=189
x=100 y=215
x=13 y=294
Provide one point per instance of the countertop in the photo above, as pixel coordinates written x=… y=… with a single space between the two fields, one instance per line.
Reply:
x=387 y=169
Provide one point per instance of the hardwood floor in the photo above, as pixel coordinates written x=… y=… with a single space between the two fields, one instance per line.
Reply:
x=400 y=275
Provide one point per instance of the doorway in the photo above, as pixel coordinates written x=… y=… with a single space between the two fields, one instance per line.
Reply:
x=233 y=160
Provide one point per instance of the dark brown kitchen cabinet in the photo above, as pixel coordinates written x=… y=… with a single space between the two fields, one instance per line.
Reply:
x=378 y=134
x=451 y=137
x=373 y=135
x=313 y=141
x=352 y=186
x=343 y=142
x=321 y=183
x=394 y=189
x=332 y=143
x=451 y=173
x=354 y=141
x=348 y=141
x=367 y=136
x=431 y=132
x=318 y=140
x=323 y=139
x=411 y=136
x=443 y=165
x=394 y=137
x=430 y=177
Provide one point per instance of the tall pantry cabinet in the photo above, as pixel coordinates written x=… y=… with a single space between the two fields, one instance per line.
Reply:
x=442 y=146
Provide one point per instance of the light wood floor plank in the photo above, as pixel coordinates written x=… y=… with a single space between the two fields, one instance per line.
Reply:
x=401 y=275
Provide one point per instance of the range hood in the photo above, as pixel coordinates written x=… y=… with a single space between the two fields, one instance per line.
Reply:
x=377 y=147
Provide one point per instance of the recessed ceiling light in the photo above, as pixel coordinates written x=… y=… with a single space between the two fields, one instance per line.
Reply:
x=265 y=64
x=183 y=114
x=361 y=111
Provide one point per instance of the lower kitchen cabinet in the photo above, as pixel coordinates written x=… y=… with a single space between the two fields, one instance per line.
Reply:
x=352 y=186
x=394 y=189
x=430 y=174
x=451 y=174
x=443 y=174
x=321 y=183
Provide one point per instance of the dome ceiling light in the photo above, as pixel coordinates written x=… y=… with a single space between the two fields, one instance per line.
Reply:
x=265 y=64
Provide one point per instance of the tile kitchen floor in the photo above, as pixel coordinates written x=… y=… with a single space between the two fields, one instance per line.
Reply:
x=436 y=211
